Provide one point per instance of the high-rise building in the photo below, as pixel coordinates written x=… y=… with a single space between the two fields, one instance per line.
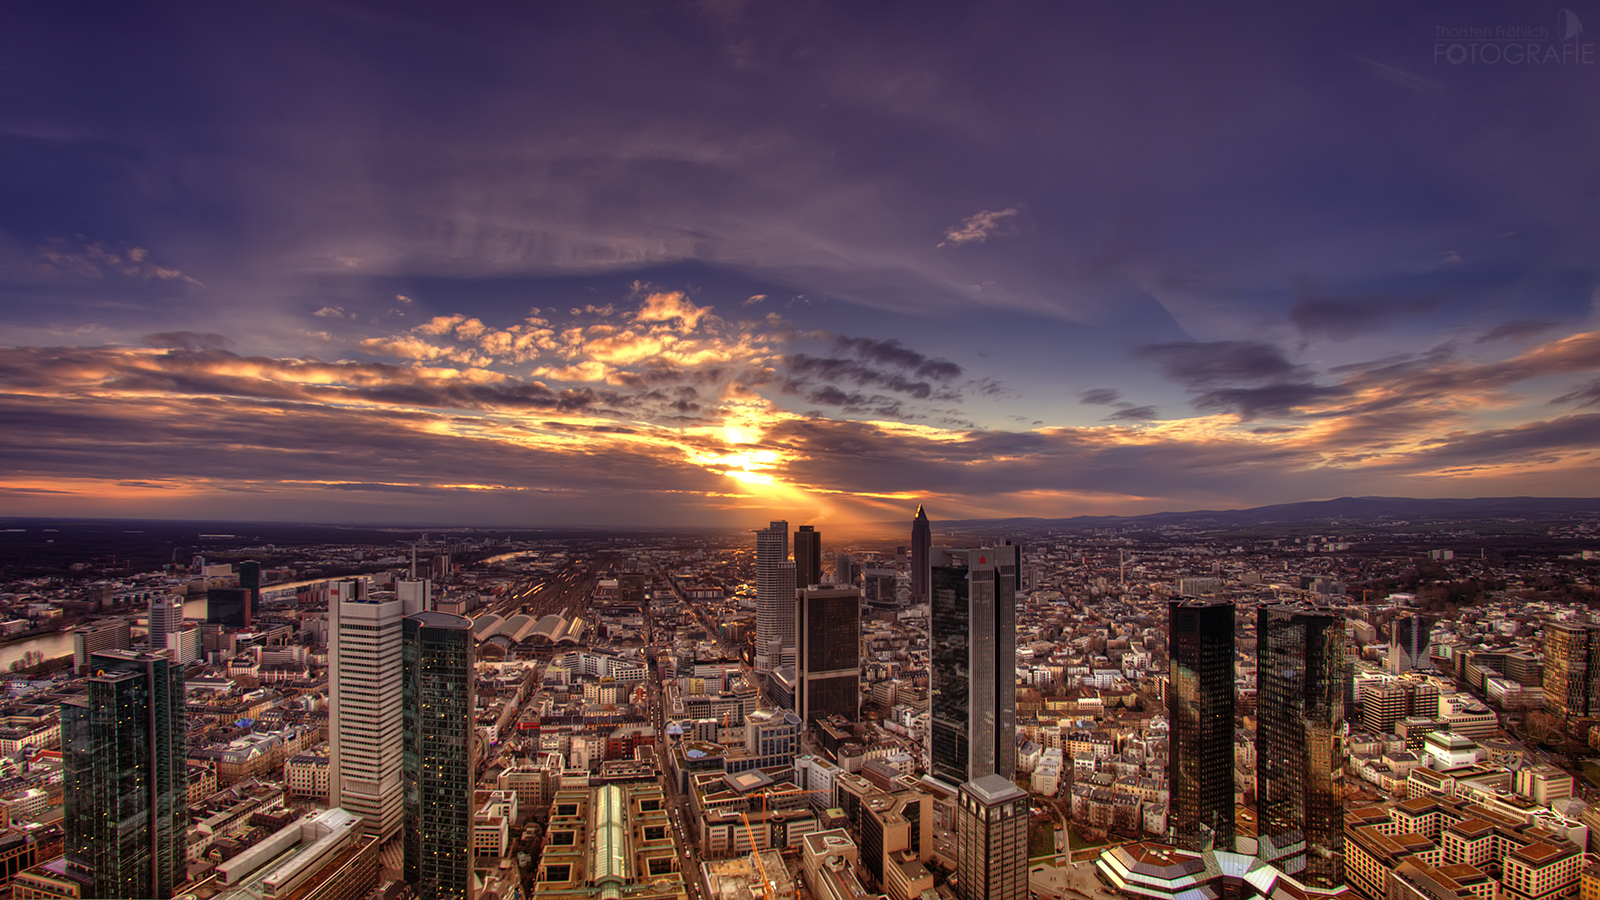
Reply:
x=228 y=606
x=1382 y=705
x=828 y=655
x=1409 y=638
x=107 y=634
x=1300 y=748
x=437 y=704
x=166 y=621
x=364 y=687
x=125 y=785
x=250 y=580
x=774 y=596
x=1200 y=710
x=921 y=547
x=973 y=649
x=991 y=839
x=807 y=557
x=1572 y=669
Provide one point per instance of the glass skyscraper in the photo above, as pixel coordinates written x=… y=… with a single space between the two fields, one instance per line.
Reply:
x=775 y=581
x=807 y=557
x=1300 y=746
x=437 y=712
x=828 y=677
x=125 y=803
x=921 y=547
x=1200 y=709
x=973 y=650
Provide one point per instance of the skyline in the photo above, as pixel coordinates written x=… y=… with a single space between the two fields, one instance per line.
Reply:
x=708 y=264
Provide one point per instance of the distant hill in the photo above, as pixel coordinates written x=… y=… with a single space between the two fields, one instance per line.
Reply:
x=1311 y=512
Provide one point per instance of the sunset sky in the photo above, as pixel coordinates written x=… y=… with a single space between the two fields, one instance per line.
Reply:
x=705 y=263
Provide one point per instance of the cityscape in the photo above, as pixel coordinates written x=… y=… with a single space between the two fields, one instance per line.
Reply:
x=721 y=450
x=1324 y=706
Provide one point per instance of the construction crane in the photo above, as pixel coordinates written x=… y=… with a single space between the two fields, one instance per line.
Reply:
x=750 y=833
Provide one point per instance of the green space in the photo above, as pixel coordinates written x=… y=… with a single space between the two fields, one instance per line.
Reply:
x=1042 y=840
x=1590 y=769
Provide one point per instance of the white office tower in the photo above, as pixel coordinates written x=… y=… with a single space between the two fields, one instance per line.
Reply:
x=364 y=681
x=166 y=621
x=774 y=603
x=415 y=592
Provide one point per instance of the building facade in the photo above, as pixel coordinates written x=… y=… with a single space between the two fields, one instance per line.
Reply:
x=125 y=778
x=921 y=548
x=364 y=738
x=807 y=557
x=774 y=596
x=991 y=840
x=828 y=677
x=437 y=704
x=973 y=648
x=1300 y=747
x=1571 y=669
x=1200 y=710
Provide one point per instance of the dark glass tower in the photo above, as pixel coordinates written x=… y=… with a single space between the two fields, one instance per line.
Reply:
x=828 y=678
x=1409 y=638
x=921 y=546
x=437 y=712
x=125 y=780
x=1200 y=708
x=250 y=580
x=1300 y=750
x=228 y=606
x=807 y=557
x=973 y=643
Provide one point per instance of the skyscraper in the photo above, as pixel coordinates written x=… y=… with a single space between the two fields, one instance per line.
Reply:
x=1572 y=669
x=437 y=704
x=250 y=580
x=125 y=804
x=1200 y=710
x=921 y=546
x=1409 y=638
x=228 y=606
x=364 y=632
x=828 y=656
x=1300 y=750
x=973 y=649
x=991 y=840
x=166 y=621
x=807 y=557
x=774 y=596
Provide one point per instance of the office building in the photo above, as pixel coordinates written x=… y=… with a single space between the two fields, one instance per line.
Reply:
x=107 y=634
x=1572 y=669
x=250 y=582
x=807 y=557
x=437 y=704
x=1409 y=638
x=1300 y=748
x=364 y=738
x=828 y=678
x=1200 y=709
x=228 y=606
x=125 y=780
x=991 y=839
x=973 y=649
x=166 y=621
x=775 y=578
x=921 y=548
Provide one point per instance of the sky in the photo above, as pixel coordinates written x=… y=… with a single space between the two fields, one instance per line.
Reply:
x=717 y=262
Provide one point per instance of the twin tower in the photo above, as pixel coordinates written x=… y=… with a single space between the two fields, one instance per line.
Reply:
x=1300 y=749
